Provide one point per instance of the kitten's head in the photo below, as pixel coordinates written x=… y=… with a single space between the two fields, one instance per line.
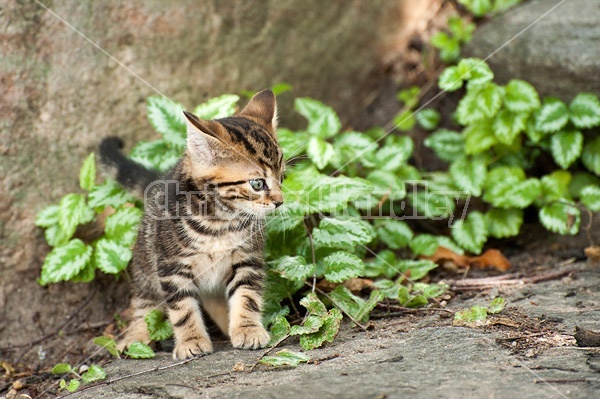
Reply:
x=239 y=156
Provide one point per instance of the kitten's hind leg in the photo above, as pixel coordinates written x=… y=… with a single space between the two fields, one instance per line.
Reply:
x=218 y=310
x=137 y=330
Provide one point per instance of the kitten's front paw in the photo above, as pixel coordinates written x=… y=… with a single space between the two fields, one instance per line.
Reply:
x=191 y=348
x=251 y=337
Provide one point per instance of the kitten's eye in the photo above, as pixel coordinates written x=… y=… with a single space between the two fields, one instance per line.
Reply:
x=257 y=184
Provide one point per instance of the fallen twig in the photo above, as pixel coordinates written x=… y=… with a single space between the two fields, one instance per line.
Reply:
x=398 y=308
x=502 y=281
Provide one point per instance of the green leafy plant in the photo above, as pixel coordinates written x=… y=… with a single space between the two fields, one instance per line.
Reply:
x=477 y=314
x=93 y=373
x=482 y=8
x=449 y=43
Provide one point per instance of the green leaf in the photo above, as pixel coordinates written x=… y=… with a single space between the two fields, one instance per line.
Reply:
x=430 y=290
x=327 y=333
x=392 y=156
x=388 y=183
x=405 y=120
x=410 y=96
x=159 y=326
x=86 y=275
x=87 y=174
x=566 y=147
x=167 y=118
x=280 y=328
x=311 y=324
x=109 y=194
x=433 y=205
x=320 y=152
x=471 y=233
x=322 y=120
x=355 y=306
x=591 y=155
x=73 y=211
x=479 y=8
x=590 y=197
x=460 y=28
x=122 y=226
x=428 y=118
x=56 y=236
x=502 y=223
x=475 y=314
x=451 y=79
x=293 y=267
x=449 y=46
x=93 y=374
x=62 y=368
x=506 y=187
x=521 y=96
x=111 y=257
x=469 y=174
x=581 y=180
x=342 y=233
x=65 y=262
x=48 y=216
x=507 y=126
x=285 y=358
x=552 y=117
x=327 y=194
x=218 y=107
x=292 y=143
x=476 y=71
x=155 y=155
x=479 y=137
x=496 y=306
x=470 y=109
x=447 y=145
x=417 y=269
x=394 y=233
x=354 y=147
x=72 y=386
x=489 y=99
x=109 y=344
x=313 y=304
x=585 y=111
x=280 y=88
x=138 y=350
x=424 y=244
x=340 y=266
x=562 y=218
x=384 y=264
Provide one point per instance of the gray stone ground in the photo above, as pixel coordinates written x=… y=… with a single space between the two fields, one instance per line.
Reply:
x=416 y=357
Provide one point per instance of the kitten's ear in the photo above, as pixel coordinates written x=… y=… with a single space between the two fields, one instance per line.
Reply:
x=263 y=108
x=203 y=142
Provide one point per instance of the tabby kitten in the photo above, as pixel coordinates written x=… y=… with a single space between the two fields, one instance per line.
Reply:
x=200 y=243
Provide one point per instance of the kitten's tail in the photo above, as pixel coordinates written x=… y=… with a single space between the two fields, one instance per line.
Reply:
x=131 y=175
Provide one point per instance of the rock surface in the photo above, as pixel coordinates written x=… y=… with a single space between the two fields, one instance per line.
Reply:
x=551 y=43
x=427 y=359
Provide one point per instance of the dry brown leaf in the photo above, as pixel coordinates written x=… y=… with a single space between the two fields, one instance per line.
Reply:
x=491 y=257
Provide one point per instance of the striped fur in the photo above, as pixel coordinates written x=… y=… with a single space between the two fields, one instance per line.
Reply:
x=199 y=248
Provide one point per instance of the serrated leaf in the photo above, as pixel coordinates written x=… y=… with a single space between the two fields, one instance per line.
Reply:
x=109 y=194
x=311 y=324
x=73 y=211
x=342 y=233
x=353 y=305
x=168 y=120
x=469 y=108
x=416 y=269
x=87 y=174
x=521 y=96
x=322 y=119
x=449 y=46
x=386 y=183
x=72 y=386
x=585 y=110
x=313 y=304
x=433 y=205
x=111 y=257
x=279 y=329
x=392 y=156
x=56 y=236
x=321 y=152
x=479 y=137
x=447 y=145
x=159 y=326
x=327 y=333
x=496 y=306
x=471 y=233
x=451 y=79
x=502 y=223
x=64 y=262
x=552 y=117
x=424 y=244
x=354 y=147
x=469 y=174
x=430 y=290
x=460 y=28
x=156 y=155
x=285 y=358
x=340 y=266
x=218 y=107
x=590 y=197
x=61 y=368
x=48 y=216
x=477 y=72
x=507 y=126
x=109 y=344
x=394 y=233
x=566 y=147
x=293 y=267
x=506 y=187
x=138 y=350
x=292 y=143
x=86 y=275
x=384 y=264
x=93 y=374
x=122 y=226
x=474 y=314
x=561 y=217
x=579 y=181
x=489 y=99
x=591 y=156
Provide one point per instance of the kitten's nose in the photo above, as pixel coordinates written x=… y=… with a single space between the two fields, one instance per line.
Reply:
x=277 y=203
